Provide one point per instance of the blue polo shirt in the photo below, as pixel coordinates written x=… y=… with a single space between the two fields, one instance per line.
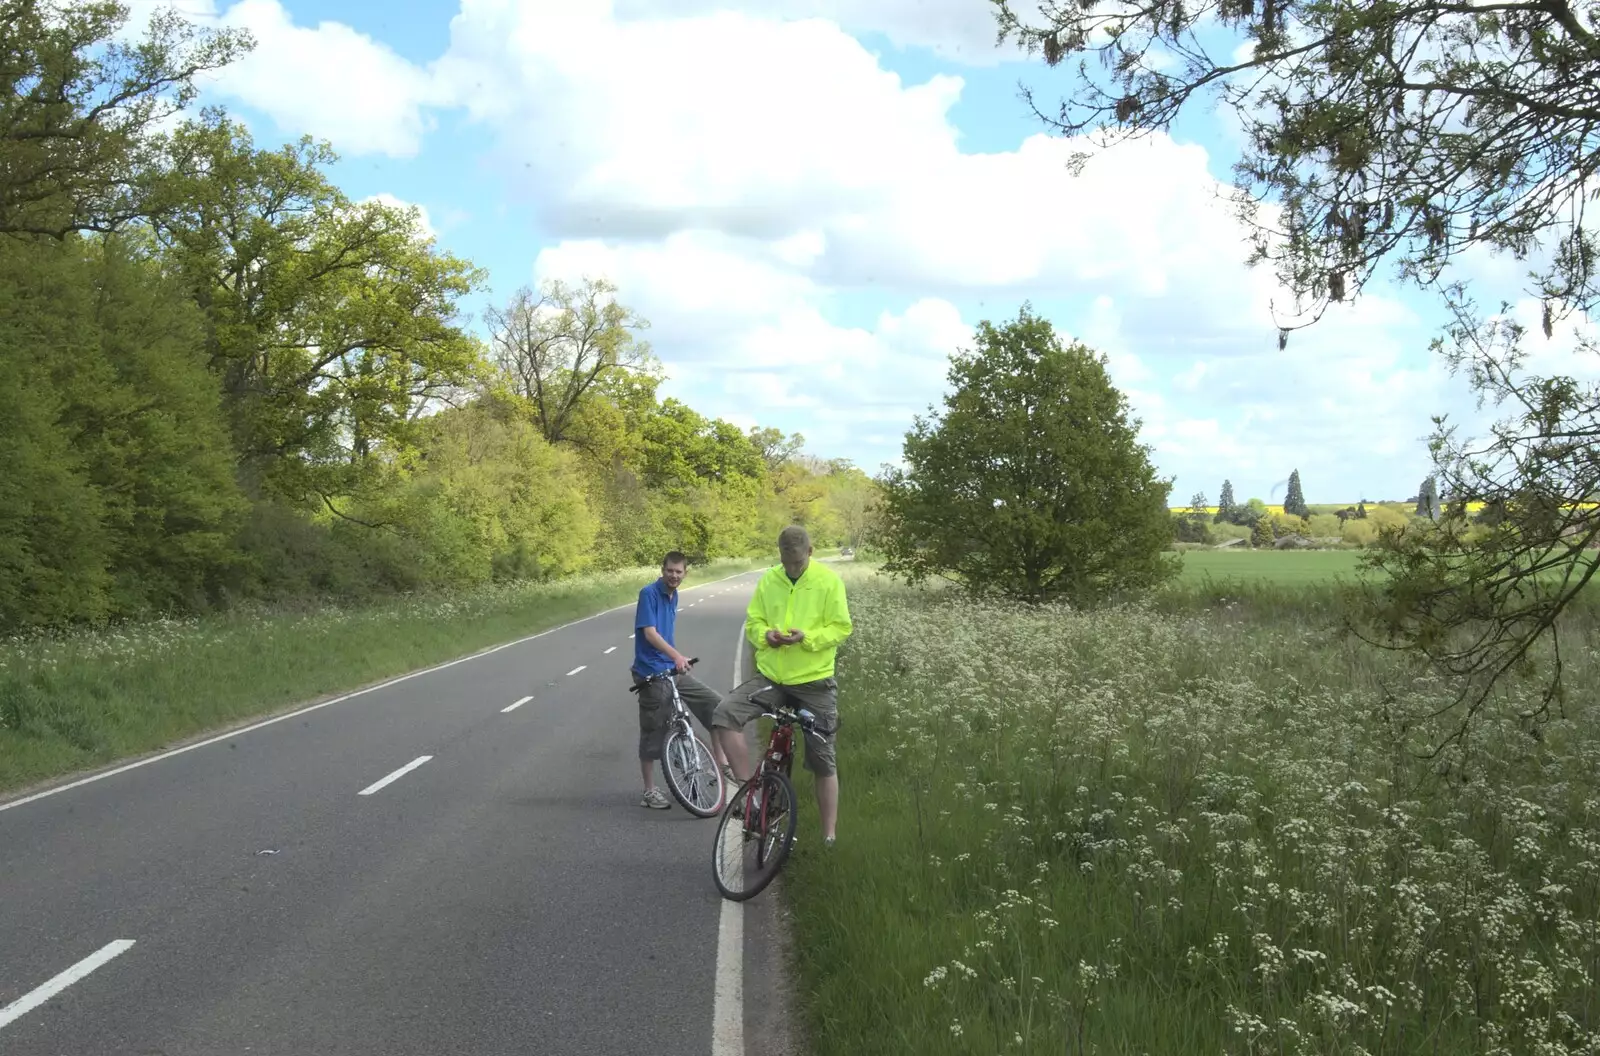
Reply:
x=657 y=608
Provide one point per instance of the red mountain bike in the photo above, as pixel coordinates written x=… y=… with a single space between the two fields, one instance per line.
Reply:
x=757 y=827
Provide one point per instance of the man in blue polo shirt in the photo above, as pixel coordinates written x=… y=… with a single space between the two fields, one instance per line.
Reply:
x=653 y=653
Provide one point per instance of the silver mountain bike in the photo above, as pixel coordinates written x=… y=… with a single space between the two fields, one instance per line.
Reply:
x=686 y=761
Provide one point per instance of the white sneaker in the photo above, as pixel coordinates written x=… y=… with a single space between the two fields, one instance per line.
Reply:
x=655 y=799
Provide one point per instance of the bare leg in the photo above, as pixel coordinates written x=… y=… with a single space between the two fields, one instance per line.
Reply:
x=647 y=767
x=732 y=742
x=828 y=803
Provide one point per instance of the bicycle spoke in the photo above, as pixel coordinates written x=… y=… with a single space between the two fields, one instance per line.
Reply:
x=692 y=773
x=751 y=849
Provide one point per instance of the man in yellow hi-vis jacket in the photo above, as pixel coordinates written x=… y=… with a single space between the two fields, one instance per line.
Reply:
x=796 y=620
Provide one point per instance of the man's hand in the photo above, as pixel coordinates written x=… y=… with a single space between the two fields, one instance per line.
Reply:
x=795 y=636
x=775 y=637
x=680 y=663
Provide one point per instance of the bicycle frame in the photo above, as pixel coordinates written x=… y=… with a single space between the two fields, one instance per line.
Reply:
x=779 y=753
x=780 y=746
x=774 y=833
x=680 y=712
x=778 y=757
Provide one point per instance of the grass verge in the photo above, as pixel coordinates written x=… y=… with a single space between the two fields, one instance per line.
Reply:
x=84 y=700
x=1184 y=828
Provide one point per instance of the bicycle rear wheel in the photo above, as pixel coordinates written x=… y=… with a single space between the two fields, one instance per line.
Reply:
x=691 y=772
x=748 y=852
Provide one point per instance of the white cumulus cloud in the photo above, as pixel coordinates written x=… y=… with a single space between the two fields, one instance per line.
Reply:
x=751 y=176
x=327 y=80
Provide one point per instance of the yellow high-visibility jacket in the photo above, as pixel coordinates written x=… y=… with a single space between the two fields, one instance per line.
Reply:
x=814 y=604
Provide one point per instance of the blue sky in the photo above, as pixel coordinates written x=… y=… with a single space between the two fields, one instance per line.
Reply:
x=813 y=214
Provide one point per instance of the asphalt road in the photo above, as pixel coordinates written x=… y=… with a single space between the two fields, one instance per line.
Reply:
x=507 y=895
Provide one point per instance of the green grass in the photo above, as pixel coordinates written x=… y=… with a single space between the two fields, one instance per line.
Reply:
x=1182 y=828
x=1276 y=566
x=88 y=699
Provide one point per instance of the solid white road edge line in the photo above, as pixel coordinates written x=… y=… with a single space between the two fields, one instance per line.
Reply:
x=403 y=771
x=32 y=1000
x=727 y=1002
x=57 y=790
x=514 y=706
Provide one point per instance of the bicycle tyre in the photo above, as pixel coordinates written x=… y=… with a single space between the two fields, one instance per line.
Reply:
x=775 y=787
x=678 y=737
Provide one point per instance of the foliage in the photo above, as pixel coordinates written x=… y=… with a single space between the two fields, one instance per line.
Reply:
x=332 y=323
x=223 y=380
x=75 y=122
x=1187 y=528
x=1294 y=500
x=1261 y=533
x=555 y=346
x=1288 y=524
x=1323 y=526
x=119 y=493
x=1420 y=134
x=1221 y=533
x=1031 y=482
x=1195 y=525
x=856 y=500
x=1422 y=130
x=1225 y=505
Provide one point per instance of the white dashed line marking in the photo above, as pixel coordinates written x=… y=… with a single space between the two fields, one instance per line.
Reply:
x=611 y=650
x=575 y=670
x=403 y=771
x=13 y=804
x=516 y=705
x=30 y=1001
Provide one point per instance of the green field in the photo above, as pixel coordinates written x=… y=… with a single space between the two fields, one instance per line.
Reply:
x=91 y=698
x=1179 y=830
x=1273 y=566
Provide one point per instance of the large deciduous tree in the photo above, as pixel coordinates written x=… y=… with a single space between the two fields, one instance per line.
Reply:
x=1409 y=133
x=854 y=497
x=79 y=107
x=1031 y=482
x=777 y=449
x=117 y=494
x=557 y=344
x=331 y=323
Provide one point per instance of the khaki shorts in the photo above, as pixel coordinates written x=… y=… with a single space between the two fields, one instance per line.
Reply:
x=821 y=698
x=655 y=708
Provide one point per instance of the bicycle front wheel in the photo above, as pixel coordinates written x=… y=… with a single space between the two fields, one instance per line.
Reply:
x=691 y=772
x=754 y=836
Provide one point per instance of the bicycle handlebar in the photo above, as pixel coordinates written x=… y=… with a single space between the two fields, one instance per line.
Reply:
x=782 y=715
x=665 y=674
x=806 y=721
